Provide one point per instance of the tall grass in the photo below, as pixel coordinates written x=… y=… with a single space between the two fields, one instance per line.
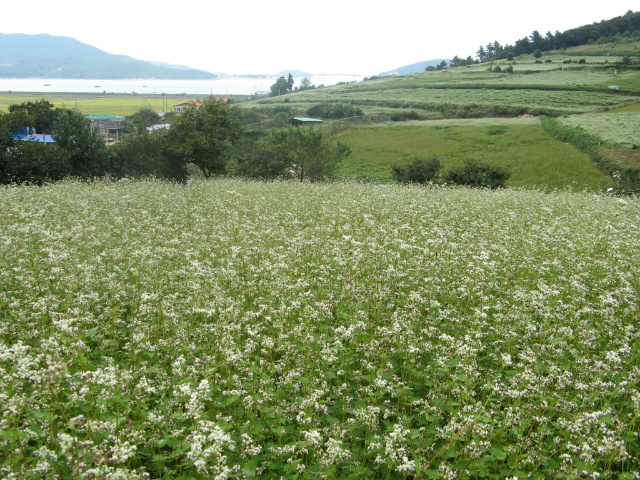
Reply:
x=238 y=330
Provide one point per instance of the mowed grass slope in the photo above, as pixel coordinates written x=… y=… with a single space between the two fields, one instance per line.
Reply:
x=235 y=329
x=532 y=156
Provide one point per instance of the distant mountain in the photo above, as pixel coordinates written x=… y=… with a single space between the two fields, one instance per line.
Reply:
x=47 y=56
x=294 y=73
x=414 y=67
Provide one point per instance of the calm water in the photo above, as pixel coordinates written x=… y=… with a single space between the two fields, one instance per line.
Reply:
x=218 y=86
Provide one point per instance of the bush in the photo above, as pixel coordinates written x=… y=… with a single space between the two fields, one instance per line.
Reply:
x=475 y=173
x=630 y=180
x=418 y=171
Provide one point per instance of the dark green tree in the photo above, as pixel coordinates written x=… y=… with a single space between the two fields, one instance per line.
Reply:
x=36 y=163
x=145 y=117
x=280 y=87
x=41 y=114
x=296 y=152
x=290 y=83
x=148 y=154
x=203 y=136
x=88 y=155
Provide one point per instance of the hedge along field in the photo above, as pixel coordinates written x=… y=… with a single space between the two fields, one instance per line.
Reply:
x=534 y=158
x=280 y=330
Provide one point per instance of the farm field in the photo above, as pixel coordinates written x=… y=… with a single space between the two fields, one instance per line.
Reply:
x=236 y=329
x=622 y=128
x=473 y=92
x=532 y=156
x=98 y=104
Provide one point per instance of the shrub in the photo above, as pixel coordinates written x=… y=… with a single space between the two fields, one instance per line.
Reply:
x=630 y=180
x=475 y=173
x=418 y=171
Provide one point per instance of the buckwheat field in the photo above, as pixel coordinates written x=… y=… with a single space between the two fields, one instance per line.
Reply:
x=234 y=329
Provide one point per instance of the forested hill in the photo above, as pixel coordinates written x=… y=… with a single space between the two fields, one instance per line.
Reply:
x=47 y=56
x=624 y=25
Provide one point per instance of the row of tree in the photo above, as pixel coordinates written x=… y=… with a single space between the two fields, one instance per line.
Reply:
x=210 y=137
x=286 y=85
x=628 y=24
x=79 y=150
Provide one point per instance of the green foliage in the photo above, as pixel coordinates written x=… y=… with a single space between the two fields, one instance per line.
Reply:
x=629 y=181
x=88 y=154
x=475 y=173
x=295 y=152
x=203 y=136
x=280 y=87
x=145 y=117
x=35 y=163
x=334 y=110
x=79 y=151
x=40 y=114
x=148 y=154
x=418 y=171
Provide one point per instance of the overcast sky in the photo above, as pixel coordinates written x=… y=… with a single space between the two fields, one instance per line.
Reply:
x=352 y=37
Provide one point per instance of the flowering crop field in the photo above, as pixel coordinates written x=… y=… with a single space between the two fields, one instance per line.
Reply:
x=235 y=329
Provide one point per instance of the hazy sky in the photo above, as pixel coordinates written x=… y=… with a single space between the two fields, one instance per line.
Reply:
x=331 y=36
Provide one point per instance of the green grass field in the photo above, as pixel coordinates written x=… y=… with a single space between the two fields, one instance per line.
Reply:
x=236 y=329
x=534 y=158
x=98 y=104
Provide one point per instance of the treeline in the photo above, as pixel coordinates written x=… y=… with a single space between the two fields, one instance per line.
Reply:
x=209 y=138
x=626 y=25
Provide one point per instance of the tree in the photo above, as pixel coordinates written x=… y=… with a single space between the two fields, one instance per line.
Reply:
x=79 y=151
x=441 y=65
x=88 y=155
x=40 y=114
x=481 y=54
x=296 y=152
x=305 y=84
x=36 y=163
x=290 y=83
x=145 y=117
x=280 y=87
x=148 y=154
x=537 y=53
x=203 y=136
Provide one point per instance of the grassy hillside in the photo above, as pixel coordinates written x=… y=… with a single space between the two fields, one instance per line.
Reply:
x=574 y=85
x=533 y=157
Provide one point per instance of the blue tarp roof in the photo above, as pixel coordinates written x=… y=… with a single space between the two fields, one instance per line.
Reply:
x=37 y=137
